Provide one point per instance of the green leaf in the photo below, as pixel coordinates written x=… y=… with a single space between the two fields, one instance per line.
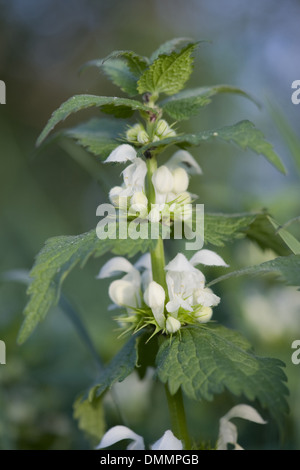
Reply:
x=169 y=73
x=206 y=360
x=79 y=102
x=117 y=370
x=286 y=267
x=123 y=68
x=263 y=232
x=97 y=135
x=118 y=72
x=54 y=262
x=220 y=229
x=244 y=134
x=90 y=417
x=287 y=237
x=170 y=46
x=189 y=102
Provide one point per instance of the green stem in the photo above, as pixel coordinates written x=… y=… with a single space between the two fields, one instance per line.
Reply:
x=178 y=419
x=175 y=402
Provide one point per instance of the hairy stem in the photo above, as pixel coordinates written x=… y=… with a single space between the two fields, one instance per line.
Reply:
x=177 y=415
x=175 y=402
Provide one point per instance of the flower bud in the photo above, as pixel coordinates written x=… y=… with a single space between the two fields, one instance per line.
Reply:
x=203 y=314
x=116 y=198
x=162 y=128
x=180 y=180
x=163 y=180
x=171 y=133
x=123 y=293
x=139 y=198
x=142 y=137
x=154 y=215
x=172 y=325
x=154 y=297
x=133 y=131
x=138 y=204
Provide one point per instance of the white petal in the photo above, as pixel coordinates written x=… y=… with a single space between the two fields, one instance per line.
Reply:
x=207 y=257
x=134 y=175
x=206 y=298
x=119 y=433
x=143 y=262
x=179 y=264
x=245 y=412
x=115 y=266
x=227 y=434
x=167 y=442
x=122 y=153
x=123 y=293
x=154 y=297
x=162 y=180
x=228 y=431
x=185 y=160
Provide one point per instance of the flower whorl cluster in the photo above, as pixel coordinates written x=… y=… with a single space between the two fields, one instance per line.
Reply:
x=184 y=299
x=187 y=300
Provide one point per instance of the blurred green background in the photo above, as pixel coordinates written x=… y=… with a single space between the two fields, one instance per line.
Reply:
x=255 y=45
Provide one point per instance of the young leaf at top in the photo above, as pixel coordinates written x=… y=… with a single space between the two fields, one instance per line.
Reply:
x=118 y=72
x=170 y=46
x=54 y=262
x=168 y=73
x=123 y=68
x=206 y=360
x=188 y=103
x=244 y=134
x=106 y=103
x=286 y=267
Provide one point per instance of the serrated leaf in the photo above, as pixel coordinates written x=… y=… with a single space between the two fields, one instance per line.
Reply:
x=206 y=360
x=286 y=267
x=168 y=73
x=79 y=102
x=55 y=261
x=189 y=102
x=118 y=72
x=90 y=417
x=117 y=370
x=169 y=46
x=244 y=134
x=220 y=229
x=98 y=136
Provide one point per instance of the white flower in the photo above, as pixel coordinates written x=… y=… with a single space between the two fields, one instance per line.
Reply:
x=162 y=180
x=126 y=291
x=186 y=284
x=118 y=433
x=228 y=431
x=167 y=442
x=172 y=325
x=185 y=160
x=154 y=297
x=203 y=314
x=134 y=176
x=180 y=180
x=123 y=293
x=139 y=204
x=122 y=153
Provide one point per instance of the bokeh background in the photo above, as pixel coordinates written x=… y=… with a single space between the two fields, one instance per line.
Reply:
x=255 y=45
